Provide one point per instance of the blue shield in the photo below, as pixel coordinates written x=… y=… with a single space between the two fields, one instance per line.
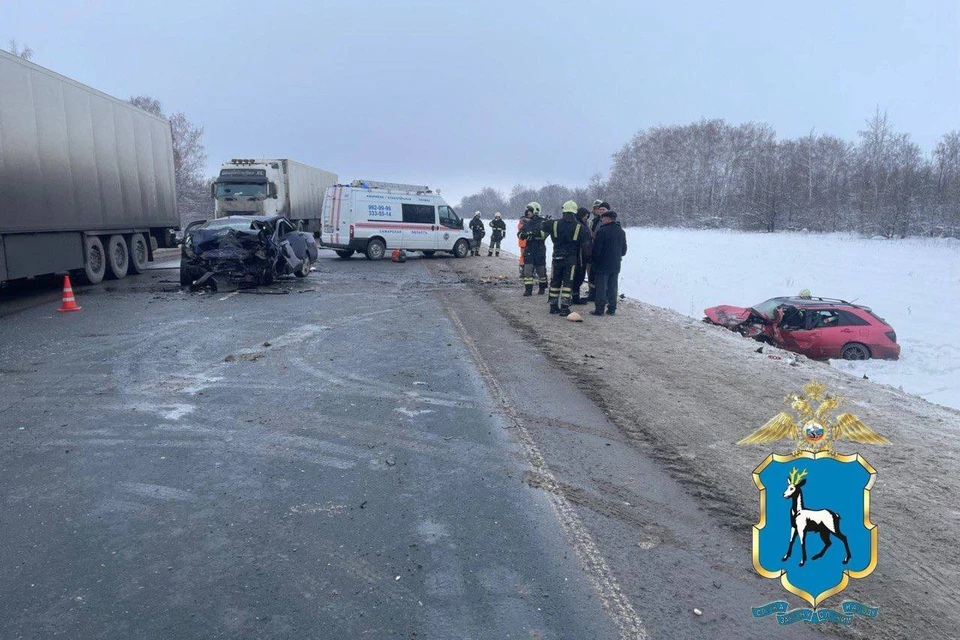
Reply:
x=835 y=494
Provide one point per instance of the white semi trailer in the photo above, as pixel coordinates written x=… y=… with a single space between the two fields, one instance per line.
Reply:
x=272 y=188
x=86 y=180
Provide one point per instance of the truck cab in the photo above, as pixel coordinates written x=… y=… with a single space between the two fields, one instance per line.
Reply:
x=248 y=187
x=271 y=187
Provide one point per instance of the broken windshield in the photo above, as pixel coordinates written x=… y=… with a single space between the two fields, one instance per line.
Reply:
x=239 y=224
x=768 y=308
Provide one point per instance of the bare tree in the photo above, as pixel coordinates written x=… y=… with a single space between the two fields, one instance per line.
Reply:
x=189 y=161
x=26 y=52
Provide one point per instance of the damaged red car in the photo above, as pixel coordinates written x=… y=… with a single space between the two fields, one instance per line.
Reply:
x=819 y=328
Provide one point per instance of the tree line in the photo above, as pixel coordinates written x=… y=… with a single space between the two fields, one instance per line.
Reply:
x=712 y=174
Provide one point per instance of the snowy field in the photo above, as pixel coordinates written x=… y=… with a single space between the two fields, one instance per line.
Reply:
x=914 y=284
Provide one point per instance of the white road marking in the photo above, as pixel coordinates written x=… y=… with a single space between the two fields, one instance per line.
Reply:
x=595 y=566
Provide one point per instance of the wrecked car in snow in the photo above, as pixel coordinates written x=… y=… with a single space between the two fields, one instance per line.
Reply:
x=819 y=328
x=246 y=250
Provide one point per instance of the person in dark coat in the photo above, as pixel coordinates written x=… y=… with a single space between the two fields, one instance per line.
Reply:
x=599 y=207
x=586 y=254
x=534 y=249
x=476 y=225
x=609 y=247
x=498 y=229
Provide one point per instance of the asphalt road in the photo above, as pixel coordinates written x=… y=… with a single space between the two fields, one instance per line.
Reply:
x=370 y=452
x=321 y=463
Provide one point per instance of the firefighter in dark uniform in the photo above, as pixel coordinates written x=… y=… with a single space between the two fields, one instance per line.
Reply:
x=476 y=225
x=586 y=253
x=534 y=250
x=568 y=237
x=498 y=229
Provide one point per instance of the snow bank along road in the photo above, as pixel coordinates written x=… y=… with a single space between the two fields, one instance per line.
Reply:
x=912 y=283
x=682 y=393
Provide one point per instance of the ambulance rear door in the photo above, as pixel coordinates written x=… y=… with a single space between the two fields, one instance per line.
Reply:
x=378 y=216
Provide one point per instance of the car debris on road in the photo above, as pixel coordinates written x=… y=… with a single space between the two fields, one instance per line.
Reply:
x=247 y=251
x=819 y=328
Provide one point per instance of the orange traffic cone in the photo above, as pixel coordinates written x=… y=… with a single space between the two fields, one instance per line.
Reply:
x=69 y=302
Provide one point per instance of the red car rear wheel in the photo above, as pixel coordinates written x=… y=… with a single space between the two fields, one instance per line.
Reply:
x=855 y=351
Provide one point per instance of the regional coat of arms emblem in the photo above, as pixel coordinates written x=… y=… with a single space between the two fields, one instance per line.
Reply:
x=818 y=499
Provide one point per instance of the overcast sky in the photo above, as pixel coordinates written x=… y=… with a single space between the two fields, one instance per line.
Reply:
x=461 y=95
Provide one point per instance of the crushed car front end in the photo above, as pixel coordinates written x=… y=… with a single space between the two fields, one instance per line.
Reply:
x=244 y=251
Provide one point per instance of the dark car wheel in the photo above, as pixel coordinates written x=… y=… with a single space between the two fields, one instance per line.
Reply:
x=187 y=275
x=266 y=277
x=855 y=351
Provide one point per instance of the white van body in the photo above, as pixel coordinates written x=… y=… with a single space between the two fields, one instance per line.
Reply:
x=375 y=217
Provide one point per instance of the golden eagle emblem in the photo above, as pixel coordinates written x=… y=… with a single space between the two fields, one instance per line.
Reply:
x=814 y=430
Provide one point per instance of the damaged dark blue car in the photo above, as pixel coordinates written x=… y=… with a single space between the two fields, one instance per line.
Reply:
x=246 y=250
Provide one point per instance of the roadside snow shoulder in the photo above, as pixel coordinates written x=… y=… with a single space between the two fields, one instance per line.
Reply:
x=686 y=392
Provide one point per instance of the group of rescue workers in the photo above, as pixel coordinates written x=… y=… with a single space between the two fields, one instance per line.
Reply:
x=583 y=247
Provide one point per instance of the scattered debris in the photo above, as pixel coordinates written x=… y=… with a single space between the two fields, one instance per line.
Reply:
x=244 y=357
x=390 y=460
x=266 y=292
x=697 y=612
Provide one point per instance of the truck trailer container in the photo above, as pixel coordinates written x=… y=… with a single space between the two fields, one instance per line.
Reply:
x=86 y=180
x=272 y=188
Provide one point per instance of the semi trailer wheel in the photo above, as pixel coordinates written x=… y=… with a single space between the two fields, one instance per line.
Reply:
x=139 y=255
x=95 y=261
x=118 y=257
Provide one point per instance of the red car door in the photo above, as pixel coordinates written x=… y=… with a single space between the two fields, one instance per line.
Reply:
x=833 y=333
x=798 y=339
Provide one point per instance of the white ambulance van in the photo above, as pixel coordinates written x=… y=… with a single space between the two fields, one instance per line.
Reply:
x=375 y=217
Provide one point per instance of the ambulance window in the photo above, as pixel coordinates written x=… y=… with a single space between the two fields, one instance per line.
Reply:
x=419 y=213
x=448 y=218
